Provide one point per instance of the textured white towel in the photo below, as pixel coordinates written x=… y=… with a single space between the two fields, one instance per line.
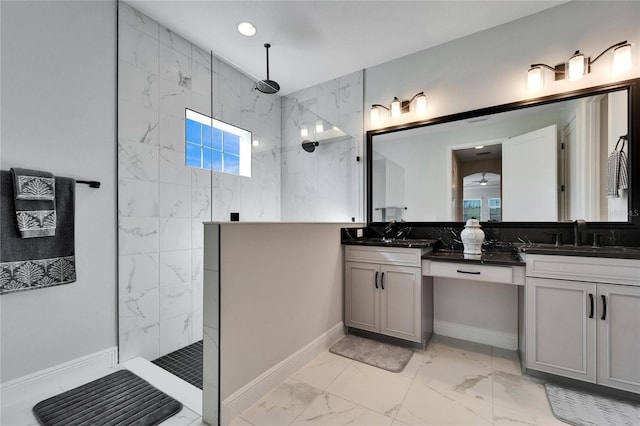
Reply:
x=617 y=174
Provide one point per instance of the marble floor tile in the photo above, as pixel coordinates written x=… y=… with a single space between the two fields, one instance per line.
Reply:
x=322 y=370
x=506 y=361
x=426 y=406
x=470 y=353
x=371 y=387
x=522 y=395
x=282 y=405
x=332 y=410
x=459 y=379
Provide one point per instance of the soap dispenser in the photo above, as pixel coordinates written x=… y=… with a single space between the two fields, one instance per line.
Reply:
x=472 y=237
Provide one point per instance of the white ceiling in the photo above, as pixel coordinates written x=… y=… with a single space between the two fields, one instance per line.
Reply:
x=315 y=41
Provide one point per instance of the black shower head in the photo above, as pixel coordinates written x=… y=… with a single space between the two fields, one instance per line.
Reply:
x=309 y=146
x=267 y=86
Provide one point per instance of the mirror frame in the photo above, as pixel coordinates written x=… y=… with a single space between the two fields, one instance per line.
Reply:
x=633 y=87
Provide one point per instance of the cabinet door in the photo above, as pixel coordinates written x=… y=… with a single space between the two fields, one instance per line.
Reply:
x=619 y=336
x=362 y=296
x=561 y=330
x=400 y=303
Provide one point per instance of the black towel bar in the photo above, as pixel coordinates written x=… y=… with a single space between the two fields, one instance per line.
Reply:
x=91 y=183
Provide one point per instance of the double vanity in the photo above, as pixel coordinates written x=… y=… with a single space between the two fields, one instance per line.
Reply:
x=578 y=307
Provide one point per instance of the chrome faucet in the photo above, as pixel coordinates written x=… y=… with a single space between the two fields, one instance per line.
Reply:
x=579 y=226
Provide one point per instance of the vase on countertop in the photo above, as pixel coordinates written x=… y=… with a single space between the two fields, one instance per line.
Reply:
x=472 y=237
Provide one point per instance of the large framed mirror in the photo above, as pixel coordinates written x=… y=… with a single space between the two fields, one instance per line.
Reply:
x=546 y=160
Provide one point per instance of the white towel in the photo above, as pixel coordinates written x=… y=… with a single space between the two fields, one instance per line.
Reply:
x=617 y=173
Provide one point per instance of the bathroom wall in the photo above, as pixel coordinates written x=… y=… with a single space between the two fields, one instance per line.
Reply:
x=489 y=68
x=58 y=114
x=161 y=202
x=325 y=185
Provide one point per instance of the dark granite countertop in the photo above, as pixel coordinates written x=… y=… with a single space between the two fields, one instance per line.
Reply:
x=407 y=243
x=511 y=258
x=612 y=252
x=509 y=254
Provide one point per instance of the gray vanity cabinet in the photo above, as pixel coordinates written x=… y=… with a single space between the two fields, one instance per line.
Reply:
x=383 y=291
x=560 y=334
x=619 y=337
x=586 y=330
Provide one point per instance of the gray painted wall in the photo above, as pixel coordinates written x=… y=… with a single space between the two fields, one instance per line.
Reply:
x=58 y=114
x=490 y=68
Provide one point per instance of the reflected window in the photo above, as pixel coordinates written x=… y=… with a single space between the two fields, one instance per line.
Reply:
x=471 y=208
x=495 y=210
x=212 y=144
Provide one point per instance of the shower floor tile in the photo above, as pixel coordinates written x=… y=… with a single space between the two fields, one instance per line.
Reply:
x=185 y=363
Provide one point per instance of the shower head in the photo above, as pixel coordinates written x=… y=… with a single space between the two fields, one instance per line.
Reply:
x=267 y=86
x=309 y=146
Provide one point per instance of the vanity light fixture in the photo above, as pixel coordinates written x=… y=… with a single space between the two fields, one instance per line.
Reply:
x=578 y=65
x=399 y=107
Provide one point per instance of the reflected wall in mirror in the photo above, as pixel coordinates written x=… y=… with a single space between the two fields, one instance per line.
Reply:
x=543 y=162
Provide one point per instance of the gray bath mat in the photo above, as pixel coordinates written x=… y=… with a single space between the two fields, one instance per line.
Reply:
x=382 y=355
x=585 y=409
x=121 y=398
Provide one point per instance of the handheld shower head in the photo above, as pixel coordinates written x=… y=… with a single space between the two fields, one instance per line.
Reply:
x=309 y=146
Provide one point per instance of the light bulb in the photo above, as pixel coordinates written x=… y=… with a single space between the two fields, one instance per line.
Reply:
x=622 y=58
x=256 y=142
x=374 y=115
x=319 y=127
x=304 y=131
x=395 y=108
x=421 y=105
x=534 y=79
x=576 y=67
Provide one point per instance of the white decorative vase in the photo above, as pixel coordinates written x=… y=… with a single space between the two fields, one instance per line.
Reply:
x=472 y=237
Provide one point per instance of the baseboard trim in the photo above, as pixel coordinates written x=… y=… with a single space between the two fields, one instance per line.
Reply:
x=478 y=335
x=74 y=371
x=249 y=394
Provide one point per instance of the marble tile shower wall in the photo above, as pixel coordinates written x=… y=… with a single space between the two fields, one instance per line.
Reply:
x=161 y=202
x=324 y=185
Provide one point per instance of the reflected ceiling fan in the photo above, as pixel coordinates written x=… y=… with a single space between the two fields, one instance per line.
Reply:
x=482 y=181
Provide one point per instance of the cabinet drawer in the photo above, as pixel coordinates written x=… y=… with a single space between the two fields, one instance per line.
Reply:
x=472 y=271
x=594 y=269
x=386 y=255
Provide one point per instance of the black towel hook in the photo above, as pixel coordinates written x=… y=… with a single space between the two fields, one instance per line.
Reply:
x=623 y=138
x=91 y=183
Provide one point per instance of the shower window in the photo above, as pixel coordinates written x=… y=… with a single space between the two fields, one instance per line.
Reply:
x=212 y=144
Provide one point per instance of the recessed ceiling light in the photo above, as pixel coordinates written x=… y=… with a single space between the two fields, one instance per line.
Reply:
x=246 y=29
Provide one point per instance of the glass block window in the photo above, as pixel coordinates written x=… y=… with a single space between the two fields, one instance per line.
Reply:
x=471 y=208
x=212 y=144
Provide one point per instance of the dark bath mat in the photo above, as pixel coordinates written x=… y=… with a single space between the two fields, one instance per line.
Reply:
x=185 y=363
x=378 y=354
x=121 y=398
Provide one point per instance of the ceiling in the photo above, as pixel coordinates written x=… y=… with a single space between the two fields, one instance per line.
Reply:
x=315 y=41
